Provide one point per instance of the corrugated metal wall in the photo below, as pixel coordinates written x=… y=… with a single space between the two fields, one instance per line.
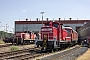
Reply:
x=29 y=27
x=84 y=31
x=36 y=27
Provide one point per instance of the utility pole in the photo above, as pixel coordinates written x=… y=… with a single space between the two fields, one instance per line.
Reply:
x=0 y=26
x=0 y=32
x=6 y=30
x=6 y=27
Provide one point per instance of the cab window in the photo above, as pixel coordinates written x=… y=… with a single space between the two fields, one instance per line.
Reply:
x=55 y=25
x=47 y=24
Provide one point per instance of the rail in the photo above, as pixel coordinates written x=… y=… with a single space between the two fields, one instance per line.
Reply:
x=29 y=54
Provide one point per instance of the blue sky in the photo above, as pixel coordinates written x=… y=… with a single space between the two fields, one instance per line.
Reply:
x=11 y=10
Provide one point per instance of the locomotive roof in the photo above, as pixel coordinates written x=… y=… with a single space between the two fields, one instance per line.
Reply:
x=70 y=28
x=67 y=27
x=52 y=22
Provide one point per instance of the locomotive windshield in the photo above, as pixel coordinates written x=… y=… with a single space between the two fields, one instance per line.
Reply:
x=55 y=25
x=62 y=27
x=47 y=24
x=27 y=32
x=68 y=30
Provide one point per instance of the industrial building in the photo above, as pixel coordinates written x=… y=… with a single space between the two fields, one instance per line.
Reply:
x=35 y=25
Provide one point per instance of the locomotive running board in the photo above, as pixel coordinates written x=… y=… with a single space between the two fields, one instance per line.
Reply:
x=56 y=47
x=62 y=40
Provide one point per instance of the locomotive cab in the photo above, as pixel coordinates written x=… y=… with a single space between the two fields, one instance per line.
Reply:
x=47 y=37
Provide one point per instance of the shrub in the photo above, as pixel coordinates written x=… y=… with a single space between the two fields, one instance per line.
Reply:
x=2 y=42
x=14 y=48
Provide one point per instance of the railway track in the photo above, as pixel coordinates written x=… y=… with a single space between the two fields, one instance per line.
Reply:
x=21 y=54
x=71 y=54
x=67 y=53
x=15 y=54
x=5 y=45
x=25 y=54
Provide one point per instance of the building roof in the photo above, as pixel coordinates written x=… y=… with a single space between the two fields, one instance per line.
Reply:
x=61 y=21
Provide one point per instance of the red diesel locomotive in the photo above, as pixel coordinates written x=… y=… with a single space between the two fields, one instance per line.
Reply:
x=54 y=35
x=25 y=37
